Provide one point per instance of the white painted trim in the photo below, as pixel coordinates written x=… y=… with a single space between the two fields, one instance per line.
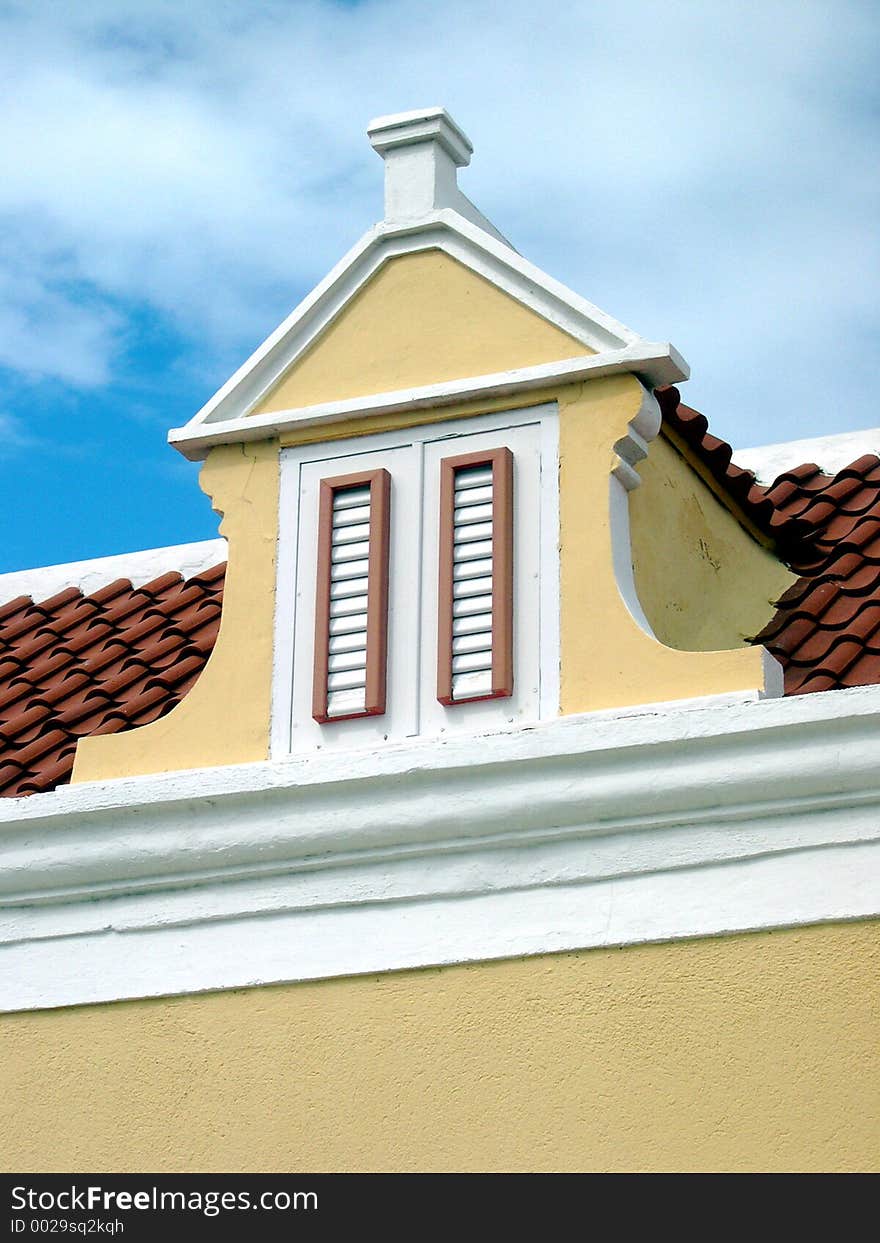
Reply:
x=612 y=828
x=621 y=551
x=225 y=416
x=829 y=453
x=550 y=583
x=422 y=152
x=649 y=359
x=187 y=560
x=632 y=448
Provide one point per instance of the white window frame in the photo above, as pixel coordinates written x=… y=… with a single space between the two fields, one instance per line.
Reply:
x=449 y=432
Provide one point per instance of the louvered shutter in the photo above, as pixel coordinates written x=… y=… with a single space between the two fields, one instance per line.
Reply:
x=351 y=611
x=475 y=631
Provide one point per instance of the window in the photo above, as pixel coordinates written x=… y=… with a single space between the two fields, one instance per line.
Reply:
x=417 y=583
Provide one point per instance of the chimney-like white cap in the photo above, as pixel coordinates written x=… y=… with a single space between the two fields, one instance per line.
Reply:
x=423 y=125
x=422 y=151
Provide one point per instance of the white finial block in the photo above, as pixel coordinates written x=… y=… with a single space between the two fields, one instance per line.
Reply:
x=422 y=151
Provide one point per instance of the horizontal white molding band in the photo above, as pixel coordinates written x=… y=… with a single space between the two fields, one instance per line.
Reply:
x=605 y=829
x=307 y=945
x=658 y=363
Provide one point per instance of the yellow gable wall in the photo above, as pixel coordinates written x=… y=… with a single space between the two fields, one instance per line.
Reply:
x=701 y=580
x=748 y=1052
x=421 y=319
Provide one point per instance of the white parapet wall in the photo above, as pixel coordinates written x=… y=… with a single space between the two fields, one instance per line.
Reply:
x=829 y=453
x=613 y=828
x=139 y=567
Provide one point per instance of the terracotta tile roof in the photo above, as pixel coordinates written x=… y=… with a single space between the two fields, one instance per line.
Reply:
x=826 y=630
x=75 y=665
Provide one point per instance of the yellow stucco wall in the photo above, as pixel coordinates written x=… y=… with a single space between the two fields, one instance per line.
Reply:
x=749 y=1052
x=423 y=318
x=702 y=582
x=606 y=659
x=225 y=717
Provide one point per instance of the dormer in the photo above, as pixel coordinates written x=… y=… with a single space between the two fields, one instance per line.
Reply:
x=424 y=475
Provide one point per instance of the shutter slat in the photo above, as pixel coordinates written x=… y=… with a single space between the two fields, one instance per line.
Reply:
x=466 y=514
x=351 y=498
x=470 y=624
x=473 y=587
x=356 y=516
x=352 y=534
x=347 y=606
x=466 y=569
x=342 y=571
x=479 y=641
x=467 y=606
x=472 y=662
x=345 y=703
x=341 y=662
x=349 y=551
x=348 y=642
x=466 y=497
x=347 y=680
x=350 y=587
x=476 y=531
x=472 y=551
x=347 y=622
x=472 y=477
x=472 y=685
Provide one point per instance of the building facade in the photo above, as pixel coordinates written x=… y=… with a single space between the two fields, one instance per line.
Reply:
x=502 y=793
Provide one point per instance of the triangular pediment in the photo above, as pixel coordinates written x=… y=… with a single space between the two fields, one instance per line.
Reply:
x=422 y=318
x=432 y=306
x=407 y=307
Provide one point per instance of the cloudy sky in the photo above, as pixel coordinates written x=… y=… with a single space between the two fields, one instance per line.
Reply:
x=175 y=177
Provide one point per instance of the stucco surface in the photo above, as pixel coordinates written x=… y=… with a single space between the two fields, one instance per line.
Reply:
x=702 y=581
x=224 y=719
x=607 y=659
x=423 y=318
x=754 y=1052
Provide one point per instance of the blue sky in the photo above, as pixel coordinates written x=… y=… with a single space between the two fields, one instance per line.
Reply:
x=176 y=177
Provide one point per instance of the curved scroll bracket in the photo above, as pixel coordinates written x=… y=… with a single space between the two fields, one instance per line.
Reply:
x=633 y=447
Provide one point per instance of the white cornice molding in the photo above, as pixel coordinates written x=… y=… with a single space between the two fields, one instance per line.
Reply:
x=227 y=417
x=647 y=359
x=661 y=822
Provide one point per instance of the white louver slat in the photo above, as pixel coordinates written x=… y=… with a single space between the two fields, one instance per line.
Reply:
x=474 y=652
x=351 y=613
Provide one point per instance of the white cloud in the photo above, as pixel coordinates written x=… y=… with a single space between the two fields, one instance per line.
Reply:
x=705 y=172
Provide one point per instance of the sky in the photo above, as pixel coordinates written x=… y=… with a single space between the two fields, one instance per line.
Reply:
x=176 y=177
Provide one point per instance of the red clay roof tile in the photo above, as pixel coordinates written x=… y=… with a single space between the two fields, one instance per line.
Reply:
x=76 y=665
